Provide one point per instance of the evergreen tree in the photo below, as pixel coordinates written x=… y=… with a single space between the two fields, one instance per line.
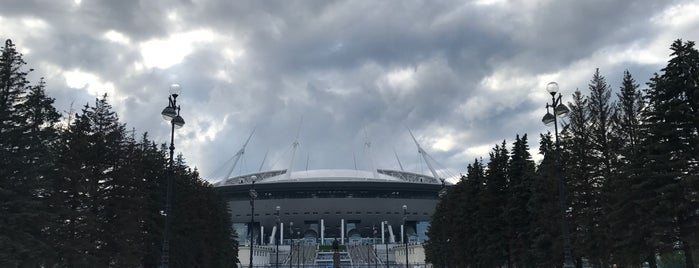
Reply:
x=576 y=139
x=437 y=247
x=671 y=148
x=630 y=221
x=545 y=229
x=27 y=118
x=604 y=150
x=495 y=228
x=521 y=169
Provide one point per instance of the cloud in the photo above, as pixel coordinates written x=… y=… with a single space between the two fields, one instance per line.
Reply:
x=462 y=75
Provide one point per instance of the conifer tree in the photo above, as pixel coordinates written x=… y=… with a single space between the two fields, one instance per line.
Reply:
x=493 y=200
x=672 y=148
x=629 y=221
x=27 y=133
x=576 y=141
x=545 y=229
x=604 y=150
x=521 y=170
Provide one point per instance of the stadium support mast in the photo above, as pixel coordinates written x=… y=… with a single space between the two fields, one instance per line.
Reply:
x=293 y=150
x=367 y=143
x=425 y=156
x=237 y=156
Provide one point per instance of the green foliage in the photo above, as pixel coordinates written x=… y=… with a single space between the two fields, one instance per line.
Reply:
x=89 y=194
x=630 y=169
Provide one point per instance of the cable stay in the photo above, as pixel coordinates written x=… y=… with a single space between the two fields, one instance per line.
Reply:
x=425 y=156
x=237 y=155
x=263 y=161
x=399 y=164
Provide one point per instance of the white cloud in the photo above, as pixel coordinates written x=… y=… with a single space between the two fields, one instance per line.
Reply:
x=164 y=53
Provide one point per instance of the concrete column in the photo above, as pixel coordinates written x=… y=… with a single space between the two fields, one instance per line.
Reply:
x=342 y=231
x=383 y=239
x=402 y=236
x=262 y=234
x=281 y=233
x=322 y=232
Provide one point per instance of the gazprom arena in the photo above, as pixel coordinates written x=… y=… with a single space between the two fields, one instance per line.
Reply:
x=291 y=217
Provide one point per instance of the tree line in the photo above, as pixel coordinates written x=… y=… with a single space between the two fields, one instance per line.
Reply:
x=86 y=191
x=631 y=170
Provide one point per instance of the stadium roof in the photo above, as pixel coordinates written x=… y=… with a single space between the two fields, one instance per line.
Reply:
x=329 y=175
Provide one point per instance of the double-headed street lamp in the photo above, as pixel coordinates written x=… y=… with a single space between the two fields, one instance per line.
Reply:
x=278 y=237
x=405 y=233
x=253 y=195
x=171 y=113
x=559 y=109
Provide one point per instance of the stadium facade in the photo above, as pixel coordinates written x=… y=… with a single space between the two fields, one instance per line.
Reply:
x=355 y=207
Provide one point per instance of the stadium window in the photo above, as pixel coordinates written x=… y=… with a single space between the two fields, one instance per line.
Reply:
x=350 y=212
x=369 y=212
x=357 y=212
x=326 y=213
x=306 y=213
x=296 y=213
x=338 y=212
x=315 y=213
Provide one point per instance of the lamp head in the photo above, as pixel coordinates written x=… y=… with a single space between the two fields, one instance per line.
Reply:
x=561 y=110
x=169 y=113
x=548 y=119
x=552 y=88
x=175 y=90
x=277 y=208
x=178 y=121
x=405 y=207
x=253 y=193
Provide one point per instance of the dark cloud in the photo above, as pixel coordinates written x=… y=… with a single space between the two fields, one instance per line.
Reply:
x=463 y=75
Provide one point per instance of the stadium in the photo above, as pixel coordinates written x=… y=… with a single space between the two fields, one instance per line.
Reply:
x=291 y=218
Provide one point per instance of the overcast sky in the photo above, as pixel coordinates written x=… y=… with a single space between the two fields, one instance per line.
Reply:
x=462 y=75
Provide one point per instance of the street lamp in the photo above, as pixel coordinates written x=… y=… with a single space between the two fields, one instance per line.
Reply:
x=278 y=237
x=291 y=245
x=405 y=233
x=253 y=195
x=386 y=243
x=559 y=109
x=171 y=113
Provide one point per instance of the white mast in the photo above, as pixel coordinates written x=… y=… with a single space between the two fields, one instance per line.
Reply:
x=237 y=155
x=424 y=156
x=367 y=143
x=293 y=150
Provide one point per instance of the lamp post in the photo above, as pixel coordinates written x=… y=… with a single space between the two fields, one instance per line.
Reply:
x=291 y=245
x=405 y=233
x=171 y=113
x=386 y=243
x=253 y=195
x=278 y=237
x=298 y=258
x=559 y=109
x=373 y=244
